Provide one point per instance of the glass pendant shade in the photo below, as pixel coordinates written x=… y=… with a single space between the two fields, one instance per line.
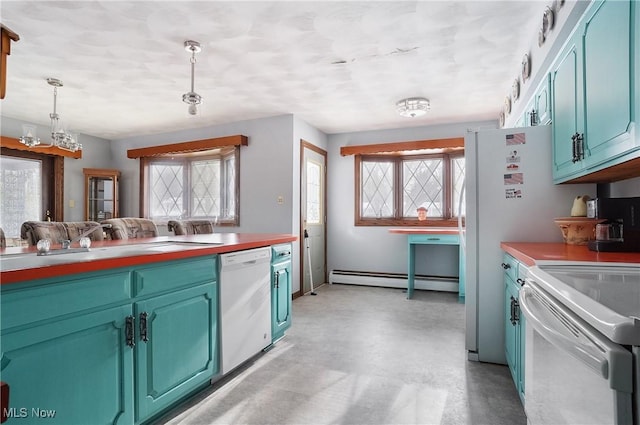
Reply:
x=29 y=135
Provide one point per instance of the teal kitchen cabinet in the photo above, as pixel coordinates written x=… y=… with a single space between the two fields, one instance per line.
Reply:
x=566 y=109
x=64 y=354
x=175 y=347
x=538 y=110
x=176 y=331
x=540 y=113
x=115 y=346
x=514 y=274
x=280 y=290
x=592 y=92
x=71 y=371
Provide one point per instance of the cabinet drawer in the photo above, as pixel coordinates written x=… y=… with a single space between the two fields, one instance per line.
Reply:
x=280 y=253
x=510 y=266
x=174 y=274
x=434 y=239
x=50 y=298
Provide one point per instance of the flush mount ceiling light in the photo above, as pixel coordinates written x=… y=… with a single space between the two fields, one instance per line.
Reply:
x=413 y=107
x=59 y=136
x=192 y=98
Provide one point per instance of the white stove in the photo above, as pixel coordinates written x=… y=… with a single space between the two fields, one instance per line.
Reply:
x=605 y=296
x=582 y=337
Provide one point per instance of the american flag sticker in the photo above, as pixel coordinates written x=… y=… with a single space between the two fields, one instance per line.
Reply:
x=516 y=139
x=513 y=178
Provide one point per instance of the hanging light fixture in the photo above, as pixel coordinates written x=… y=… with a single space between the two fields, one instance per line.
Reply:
x=59 y=136
x=192 y=98
x=413 y=107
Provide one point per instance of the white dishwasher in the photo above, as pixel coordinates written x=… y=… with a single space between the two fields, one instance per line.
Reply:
x=245 y=305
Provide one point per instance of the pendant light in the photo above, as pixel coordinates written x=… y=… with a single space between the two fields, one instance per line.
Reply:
x=59 y=136
x=192 y=98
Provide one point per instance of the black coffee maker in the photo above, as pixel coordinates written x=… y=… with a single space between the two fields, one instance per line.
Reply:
x=620 y=232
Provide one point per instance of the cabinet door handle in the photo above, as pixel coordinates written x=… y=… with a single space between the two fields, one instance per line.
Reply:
x=276 y=279
x=580 y=146
x=129 y=331
x=143 y=327
x=514 y=315
x=511 y=311
x=520 y=281
x=534 y=117
x=574 y=149
x=506 y=266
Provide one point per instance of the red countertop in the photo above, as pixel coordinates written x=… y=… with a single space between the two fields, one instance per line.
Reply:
x=229 y=242
x=530 y=253
x=426 y=231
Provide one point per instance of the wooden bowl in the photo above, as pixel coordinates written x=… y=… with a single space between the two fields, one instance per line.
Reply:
x=578 y=230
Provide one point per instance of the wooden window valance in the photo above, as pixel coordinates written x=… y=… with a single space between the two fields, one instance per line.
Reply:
x=452 y=144
x=187 y=147
x=13 y=143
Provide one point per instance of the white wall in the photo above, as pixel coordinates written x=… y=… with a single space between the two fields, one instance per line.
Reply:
x=266 y=167
x=372 y=248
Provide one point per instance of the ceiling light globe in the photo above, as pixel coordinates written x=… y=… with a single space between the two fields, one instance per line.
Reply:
x=413 y=107
x=193 y=109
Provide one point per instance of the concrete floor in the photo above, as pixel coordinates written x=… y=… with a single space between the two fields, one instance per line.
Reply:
x=363 y=355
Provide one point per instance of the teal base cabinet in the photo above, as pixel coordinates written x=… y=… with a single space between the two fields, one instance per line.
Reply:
x=280 y=290
x=176 y=353
x=176 y=332
x=514 y=323
x=71 y=371
x=114 y=347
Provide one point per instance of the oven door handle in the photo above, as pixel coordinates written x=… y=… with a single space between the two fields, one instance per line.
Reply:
x=533 y=309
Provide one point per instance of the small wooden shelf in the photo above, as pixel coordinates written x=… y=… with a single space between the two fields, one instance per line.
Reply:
x=100 y=193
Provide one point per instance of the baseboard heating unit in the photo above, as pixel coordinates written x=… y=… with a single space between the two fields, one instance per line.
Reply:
x=393 y=280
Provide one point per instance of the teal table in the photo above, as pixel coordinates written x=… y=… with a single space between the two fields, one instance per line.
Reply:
x=432 y=236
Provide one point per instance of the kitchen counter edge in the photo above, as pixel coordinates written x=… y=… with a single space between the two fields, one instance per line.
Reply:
x=535 y=253
x=221 y=243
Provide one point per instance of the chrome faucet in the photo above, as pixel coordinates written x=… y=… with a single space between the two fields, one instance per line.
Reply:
x=66 y=244
x=44 y=245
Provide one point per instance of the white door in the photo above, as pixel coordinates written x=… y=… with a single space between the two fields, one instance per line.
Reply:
x=313 y=216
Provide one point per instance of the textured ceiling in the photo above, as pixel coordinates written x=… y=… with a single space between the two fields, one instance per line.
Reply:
x=338 y=65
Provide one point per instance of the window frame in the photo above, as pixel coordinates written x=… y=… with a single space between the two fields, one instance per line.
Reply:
x=223 y=154
x=52 y=181
x=448 y=220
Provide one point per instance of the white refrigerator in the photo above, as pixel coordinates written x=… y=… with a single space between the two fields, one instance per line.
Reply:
x=510 y=197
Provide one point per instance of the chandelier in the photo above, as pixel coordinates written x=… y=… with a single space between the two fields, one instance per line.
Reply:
x=59 y=136
x=192 y=98
x=413 y=107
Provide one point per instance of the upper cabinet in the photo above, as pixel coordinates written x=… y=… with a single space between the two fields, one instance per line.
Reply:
x=538 y=110
x=592 y=100
x=101 y=193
